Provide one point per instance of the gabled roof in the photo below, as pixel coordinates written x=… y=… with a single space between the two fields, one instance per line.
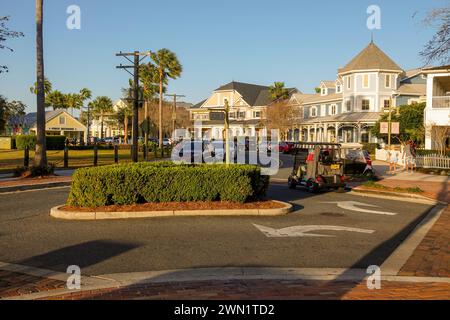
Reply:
x=371 y=58
x=413 y=89
x=328 y=83
x=251 y=93
x=318 y=98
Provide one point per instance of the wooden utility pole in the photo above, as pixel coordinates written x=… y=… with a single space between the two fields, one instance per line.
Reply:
x=174 y=109
x=135 y=123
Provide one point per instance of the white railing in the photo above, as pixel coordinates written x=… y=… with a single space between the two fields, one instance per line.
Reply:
x=441 y=102
x=433 y=161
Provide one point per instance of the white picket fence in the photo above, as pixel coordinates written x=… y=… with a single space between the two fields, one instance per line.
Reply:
x=433 y=161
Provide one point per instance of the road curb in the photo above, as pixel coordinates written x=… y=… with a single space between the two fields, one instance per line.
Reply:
x=394 y=195
x=35 y=186
x=56 y=212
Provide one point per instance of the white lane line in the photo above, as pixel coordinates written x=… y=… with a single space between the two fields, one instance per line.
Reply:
x=301 y=231
x=352 y=206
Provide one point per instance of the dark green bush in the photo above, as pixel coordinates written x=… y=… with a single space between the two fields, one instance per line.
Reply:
x=26 y=140
x=53 y=142
x=164 y=182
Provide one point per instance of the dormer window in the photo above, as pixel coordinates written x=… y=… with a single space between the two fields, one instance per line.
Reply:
x=324 y=91
x=338 y=88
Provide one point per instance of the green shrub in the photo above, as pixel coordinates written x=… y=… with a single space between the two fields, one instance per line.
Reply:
x=26 y=140
x=126 y=184
x=53 y=142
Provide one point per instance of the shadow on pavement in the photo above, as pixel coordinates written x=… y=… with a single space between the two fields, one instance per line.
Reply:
x=159 y=288
x=83 y=255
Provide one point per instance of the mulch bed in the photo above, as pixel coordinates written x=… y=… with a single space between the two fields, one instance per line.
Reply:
x=169 y=206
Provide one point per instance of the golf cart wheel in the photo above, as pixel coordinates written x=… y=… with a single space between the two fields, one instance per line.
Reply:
x=291 y=183
x=369 y=174
x=311 y=187
x=340 y=190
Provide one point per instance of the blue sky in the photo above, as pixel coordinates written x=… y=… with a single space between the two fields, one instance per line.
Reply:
x=256 y=41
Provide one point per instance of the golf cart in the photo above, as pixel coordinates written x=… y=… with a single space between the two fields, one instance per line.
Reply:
x=317 y=166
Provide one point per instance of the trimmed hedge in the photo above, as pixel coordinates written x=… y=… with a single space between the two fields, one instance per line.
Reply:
x=53 y=142
x=127 y=184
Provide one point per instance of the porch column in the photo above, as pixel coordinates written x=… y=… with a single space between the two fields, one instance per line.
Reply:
x=315 y=132
x=336 y=126
x=359 y=138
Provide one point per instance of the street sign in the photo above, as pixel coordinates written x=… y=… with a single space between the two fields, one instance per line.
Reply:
x=395 y=128
x=384 y=127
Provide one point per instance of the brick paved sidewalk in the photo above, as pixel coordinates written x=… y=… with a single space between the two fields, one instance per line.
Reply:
x=432 y=257
x=267 y=289
x=14 y=284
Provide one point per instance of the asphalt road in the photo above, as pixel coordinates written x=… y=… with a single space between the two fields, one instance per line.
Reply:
x=29 y=236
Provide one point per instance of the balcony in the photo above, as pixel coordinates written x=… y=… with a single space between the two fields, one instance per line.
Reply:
x=441 y=102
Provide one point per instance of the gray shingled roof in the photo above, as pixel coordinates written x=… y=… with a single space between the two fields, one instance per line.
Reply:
x=371 y=57
x=29 y=120
x=346 y=117
x=253 y=94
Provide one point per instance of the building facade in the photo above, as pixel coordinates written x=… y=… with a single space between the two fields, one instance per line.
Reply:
x=345 y=109
x=247 y=106
x=437 y=111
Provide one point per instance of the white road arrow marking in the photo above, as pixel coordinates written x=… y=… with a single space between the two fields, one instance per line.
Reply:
x=301 y=231
x=352 y=205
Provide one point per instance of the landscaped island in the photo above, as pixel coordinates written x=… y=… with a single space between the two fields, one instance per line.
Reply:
x=167 y=189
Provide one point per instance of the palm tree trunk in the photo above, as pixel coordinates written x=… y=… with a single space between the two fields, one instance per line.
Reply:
x=160 y=109
x=40 y=157
x=101 y=126
x=146 y=124
x=126 y=128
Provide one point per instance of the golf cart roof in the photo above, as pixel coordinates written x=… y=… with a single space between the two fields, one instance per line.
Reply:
x=307 y=145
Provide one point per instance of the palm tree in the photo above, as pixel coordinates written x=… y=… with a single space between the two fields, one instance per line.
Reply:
x=100 y=107
x=167 y=66
x=40 y=156
x=278 y=91
x=148 y=75
x=86 y=94
x=47 y=87
x=56 y=99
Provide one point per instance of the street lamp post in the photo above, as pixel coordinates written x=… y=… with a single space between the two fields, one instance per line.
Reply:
x=227 y=127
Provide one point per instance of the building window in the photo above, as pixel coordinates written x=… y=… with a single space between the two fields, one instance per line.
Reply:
x=241 y=114
x=62 y=120
x=387 y=103
x=348 y=105
x=257 y=114
x=365 y=104
x=387 y=80
x=313 y=112
x=232 y=115
x=348 y=82
x=365 y=82
x=333 y=109
x=324 y=91
x=338 y=88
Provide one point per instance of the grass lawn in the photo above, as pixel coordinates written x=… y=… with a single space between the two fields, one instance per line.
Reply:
x=10 y=159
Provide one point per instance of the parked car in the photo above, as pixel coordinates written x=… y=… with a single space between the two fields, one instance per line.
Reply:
x=357 y=161
x=285 y=146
